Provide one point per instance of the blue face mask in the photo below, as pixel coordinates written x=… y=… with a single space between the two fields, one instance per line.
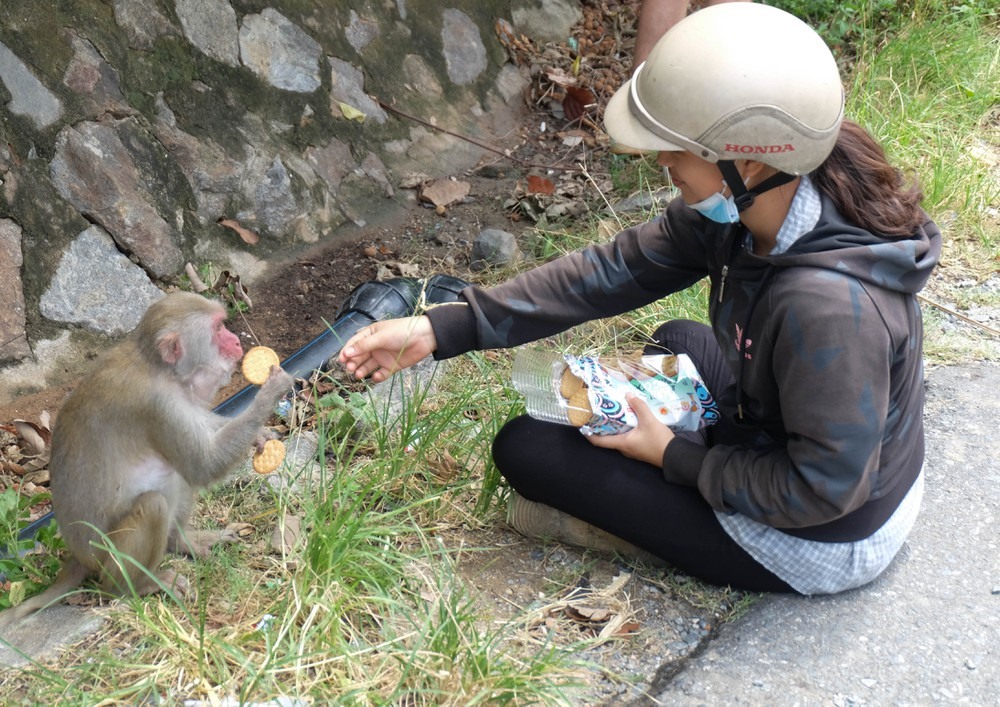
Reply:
x=718 y=208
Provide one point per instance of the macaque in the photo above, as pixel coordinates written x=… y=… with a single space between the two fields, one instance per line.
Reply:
x=136 y=438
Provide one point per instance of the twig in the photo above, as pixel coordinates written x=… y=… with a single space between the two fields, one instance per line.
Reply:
x=953 y=313
x=474 y=141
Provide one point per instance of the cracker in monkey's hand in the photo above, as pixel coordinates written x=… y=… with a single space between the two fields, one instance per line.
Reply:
x=257 y=364
x=270 y=457
x=590 y=392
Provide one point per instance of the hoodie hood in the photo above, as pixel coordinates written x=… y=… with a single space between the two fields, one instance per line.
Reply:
x=897 y=264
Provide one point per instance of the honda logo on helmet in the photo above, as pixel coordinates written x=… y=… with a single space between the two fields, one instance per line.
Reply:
x=759 y=149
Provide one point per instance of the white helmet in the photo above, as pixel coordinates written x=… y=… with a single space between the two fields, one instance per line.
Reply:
x=734 y=81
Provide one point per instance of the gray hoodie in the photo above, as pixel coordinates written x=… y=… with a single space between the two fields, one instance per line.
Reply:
x=825 y=341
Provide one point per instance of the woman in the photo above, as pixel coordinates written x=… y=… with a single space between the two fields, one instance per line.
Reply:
x=815 y=249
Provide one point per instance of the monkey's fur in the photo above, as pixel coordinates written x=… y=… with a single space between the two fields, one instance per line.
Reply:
x=137 y=437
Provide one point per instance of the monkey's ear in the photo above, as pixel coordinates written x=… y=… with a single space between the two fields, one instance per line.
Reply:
x=170 y=347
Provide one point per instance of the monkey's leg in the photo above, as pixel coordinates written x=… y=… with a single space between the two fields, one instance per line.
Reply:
x=140 y=538
x=199 y=543
x=194 y=543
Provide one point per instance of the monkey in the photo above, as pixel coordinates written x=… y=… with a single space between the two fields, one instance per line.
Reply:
x=133 y=441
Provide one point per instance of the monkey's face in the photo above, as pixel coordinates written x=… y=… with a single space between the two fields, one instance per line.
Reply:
x=226 y=342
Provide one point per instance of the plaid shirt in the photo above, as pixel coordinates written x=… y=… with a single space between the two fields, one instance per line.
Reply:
x=811 y=567
x=808 y=566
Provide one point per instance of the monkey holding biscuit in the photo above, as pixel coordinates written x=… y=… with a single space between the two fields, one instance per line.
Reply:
x=134 y=441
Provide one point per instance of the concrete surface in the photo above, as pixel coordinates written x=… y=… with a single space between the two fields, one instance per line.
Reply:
x=44 y=633
x=925 y=633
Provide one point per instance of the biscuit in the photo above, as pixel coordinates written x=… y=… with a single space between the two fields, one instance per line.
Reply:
x=257 y=364
x=267 y=460
x=669 y=366
x=578 y=408
x=569 y=383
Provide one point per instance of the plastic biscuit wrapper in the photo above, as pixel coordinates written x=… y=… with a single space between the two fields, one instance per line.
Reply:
x=589 y=391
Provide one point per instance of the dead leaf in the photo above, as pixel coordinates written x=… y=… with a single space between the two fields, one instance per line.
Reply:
x=442 y=192
x=540 y=185
x=36 y=437
x=230 y=285
x=443 y=467
x=560 y=77
x=350 y=112
x=36 y=463
x=248 y=236
x=240 y=530
x=196 y=283
x=38 y=476
x=577 y=103
x=286 y=534
x=627 y=629
x=588 y=613
x=11 y=468
x=413 y=180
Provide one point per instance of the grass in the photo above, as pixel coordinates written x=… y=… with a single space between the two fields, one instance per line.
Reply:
x=368 y=605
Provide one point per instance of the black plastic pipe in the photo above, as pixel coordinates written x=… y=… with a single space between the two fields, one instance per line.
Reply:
x=369 y=302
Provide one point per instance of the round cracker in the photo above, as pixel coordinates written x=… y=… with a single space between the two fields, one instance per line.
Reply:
x=267 y=460
x=569 y=383
x=579 y=408
x=669 y=366
x=257 y=364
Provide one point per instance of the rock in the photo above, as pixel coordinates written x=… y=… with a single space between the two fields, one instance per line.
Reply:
x=420 y=77
x=546 y=20
x=348 y=86
x=361 y=31
x=280 y=52
x=143 y=22
x=464 y=53
x=97 y=287
x=210 y=25
x=13 y=337
x=95 y=172
x=28 y=96
x=274 y=201
x=46 y=632
x=93 y=79
x=212 y=175
x=494 y=248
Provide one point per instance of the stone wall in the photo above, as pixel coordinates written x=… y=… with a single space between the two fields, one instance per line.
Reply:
x=130 y=130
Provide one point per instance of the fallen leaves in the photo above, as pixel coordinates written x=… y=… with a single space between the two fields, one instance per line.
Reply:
x=602 y=615
x=247 y=235
x=444 y=192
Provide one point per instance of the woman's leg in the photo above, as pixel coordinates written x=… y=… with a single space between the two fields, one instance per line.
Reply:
x=556 y=465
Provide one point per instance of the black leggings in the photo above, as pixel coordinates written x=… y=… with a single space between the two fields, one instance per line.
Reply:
x=556 y=465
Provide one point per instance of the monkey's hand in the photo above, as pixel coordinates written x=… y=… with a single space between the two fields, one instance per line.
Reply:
x=278 y=383
x=266 y=434
x=382 y=348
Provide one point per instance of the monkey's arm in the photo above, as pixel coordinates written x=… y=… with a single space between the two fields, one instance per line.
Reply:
x=202 y=447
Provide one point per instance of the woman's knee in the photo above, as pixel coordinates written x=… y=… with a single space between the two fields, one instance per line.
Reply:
x=680 y=336
x=513 y=444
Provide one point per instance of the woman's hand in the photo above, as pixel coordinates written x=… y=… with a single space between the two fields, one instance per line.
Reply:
x=382 y=348
x=646 y=442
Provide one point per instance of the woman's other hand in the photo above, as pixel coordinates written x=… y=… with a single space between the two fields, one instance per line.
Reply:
x=382 y=348
x=646 y=442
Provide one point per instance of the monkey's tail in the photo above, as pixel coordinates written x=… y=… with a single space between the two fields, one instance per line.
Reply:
x=70 y=577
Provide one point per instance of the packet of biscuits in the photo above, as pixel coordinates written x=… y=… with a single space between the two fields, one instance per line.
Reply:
x=589 y=391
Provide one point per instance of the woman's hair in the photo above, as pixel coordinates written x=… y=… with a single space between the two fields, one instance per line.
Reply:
x=868 y=191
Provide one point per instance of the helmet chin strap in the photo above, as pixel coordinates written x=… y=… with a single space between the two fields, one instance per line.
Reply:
x=742 y=196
